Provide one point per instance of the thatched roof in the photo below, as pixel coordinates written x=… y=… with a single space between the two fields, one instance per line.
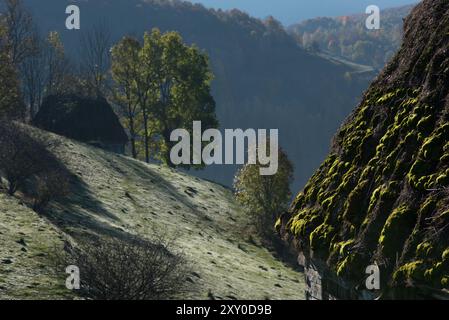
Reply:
x=81 y=118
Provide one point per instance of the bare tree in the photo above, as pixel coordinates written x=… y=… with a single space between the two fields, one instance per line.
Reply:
x=46 y=72
x=33 y=71
x=57 y=73
x=11 y=105
x=95 y=57
x=21 y=31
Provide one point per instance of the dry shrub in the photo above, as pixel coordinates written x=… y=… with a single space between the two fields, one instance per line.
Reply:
x=20 y=155
x=25 y=160
x=50 y=185
x=113 y=269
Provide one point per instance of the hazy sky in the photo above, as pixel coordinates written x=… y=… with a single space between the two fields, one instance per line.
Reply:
x=291 y=11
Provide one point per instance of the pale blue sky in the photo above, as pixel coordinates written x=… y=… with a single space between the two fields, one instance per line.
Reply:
x=292 y=11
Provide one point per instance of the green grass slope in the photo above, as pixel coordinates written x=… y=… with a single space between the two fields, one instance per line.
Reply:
x=116 y=195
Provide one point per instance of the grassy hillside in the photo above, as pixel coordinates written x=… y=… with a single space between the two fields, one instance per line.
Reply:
x=26 y=239
x=381 y=196
x=115 y=195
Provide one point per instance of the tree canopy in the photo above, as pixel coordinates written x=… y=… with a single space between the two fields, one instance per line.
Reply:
x=264 y=197
x=161 y=85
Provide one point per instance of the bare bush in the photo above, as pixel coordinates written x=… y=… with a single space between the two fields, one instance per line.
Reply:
x=20 y=155
x=21 y=30
x=27 y=164
x=113 y=269
x=50 y=185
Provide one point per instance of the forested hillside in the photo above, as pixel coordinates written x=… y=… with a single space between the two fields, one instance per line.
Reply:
x=348 y=37
x=262 y=78
x=292 y=11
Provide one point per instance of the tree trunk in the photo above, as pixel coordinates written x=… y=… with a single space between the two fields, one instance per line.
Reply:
x=166 y=135
x=12 y=188
x=146 y=138
x=133 y=137
x=32 y=108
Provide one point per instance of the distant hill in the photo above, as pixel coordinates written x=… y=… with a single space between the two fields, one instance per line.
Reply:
x=291 y=11
x=263 y=79
x=348 y=37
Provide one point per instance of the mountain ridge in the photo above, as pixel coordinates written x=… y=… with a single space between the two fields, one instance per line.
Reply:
x=291 y=11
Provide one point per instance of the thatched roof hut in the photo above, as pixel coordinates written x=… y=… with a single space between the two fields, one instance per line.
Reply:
x=90 y=120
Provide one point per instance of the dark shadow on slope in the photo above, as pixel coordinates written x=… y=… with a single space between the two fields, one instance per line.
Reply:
x=78 y=213
x=29 y=157
x=67 y=212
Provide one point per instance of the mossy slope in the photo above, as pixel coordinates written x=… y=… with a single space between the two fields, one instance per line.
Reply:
x=382 y=195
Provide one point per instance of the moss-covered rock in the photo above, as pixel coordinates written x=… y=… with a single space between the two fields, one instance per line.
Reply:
x=410 y=271
x=396 y=230
x=380 y=195
x=321 y=237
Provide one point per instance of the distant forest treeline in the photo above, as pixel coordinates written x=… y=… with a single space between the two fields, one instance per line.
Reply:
x=348 y=37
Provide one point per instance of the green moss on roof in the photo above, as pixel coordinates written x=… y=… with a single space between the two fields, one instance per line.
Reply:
x=381 y=194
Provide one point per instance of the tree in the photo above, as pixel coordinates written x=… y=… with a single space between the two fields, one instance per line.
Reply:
x=264 y=197
x=33 y=72
x=149 y=76
x=95 y=58
x=125 y=69
x=168 y=83
x=11 y=106
x=56 y=65
x=23 y=42
x=21 y=31
x=41 y=63
x=47 y=72
x=181 y=78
